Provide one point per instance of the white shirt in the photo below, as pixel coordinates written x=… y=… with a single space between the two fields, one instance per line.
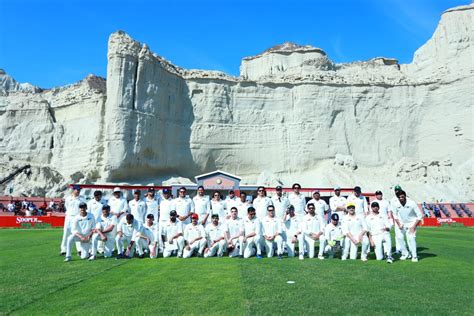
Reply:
x=407 y=215
x=313 y=224
x=215 y=232
x=252 y=226
x=127 y=229
x=235 y=227
x=261 y=204
x=138 y=210
x=271 y=226
x=166 y=206
x=384 y=207
x=361 y=206
x=230 y=203
x=95 y=208
x=170 y=229
x=219 y=208
x=118 y=205
x=354 y=224
x=337 y=201
x=83 y=225
x=72 y=205
x=192 y=232
x=299 y=202
x=152 y=206
x=104 y=222
x=243 y=207
x=184 y=206
x=281 y=204
x=202 y=206
x=321 y=207
x=292 y=226
x=332 y=232
x=376 y=224
x=152 y=232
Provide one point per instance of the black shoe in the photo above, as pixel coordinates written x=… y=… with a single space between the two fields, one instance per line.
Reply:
x=119 y=256
x=62 y=254
x=141 y=256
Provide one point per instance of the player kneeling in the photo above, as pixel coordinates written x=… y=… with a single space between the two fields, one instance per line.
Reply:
x=127 y=230
x=292 y=232
x=172 y=236
x=334 y=236
x=148 y=238
x=379 y=228
x=195 y=237
x=82 y=228
x=252 y=235
x=215 y=235
x=105 y=232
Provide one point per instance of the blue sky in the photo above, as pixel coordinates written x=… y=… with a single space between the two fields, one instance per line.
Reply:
x=52 y=43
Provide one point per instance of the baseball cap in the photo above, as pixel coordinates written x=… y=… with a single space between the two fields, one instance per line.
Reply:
x=290 y=208
x=374 y=204
x=378 y=192
x=76 y=187
x=151 y=189
x=337 y=188
x=166 y=191
x=279 y=188
x=350 y=204
x=357 y=189
x=215 y=215
x=335 y=217
x=397 y=187
x=173 y=213
x=194 y=216
x=116 y=189
x=83 y=205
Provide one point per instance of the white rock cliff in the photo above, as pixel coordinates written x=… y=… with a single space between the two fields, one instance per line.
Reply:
x=291 y=115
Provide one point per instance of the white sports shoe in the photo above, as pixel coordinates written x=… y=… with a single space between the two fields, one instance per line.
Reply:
x=67 y=259
x=320 y=257
x=301 y=257
x=363 y=259
x=414 y=259
x=389 y=260
x=404 y=257
x=91 y=258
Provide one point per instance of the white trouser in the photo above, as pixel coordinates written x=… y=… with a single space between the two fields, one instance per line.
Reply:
x=250 y=244
x=177 y=242
x=290 y=246
x=379 y=240
x=310 y=242
x=411 y=239
x=269 y=245
x=120 y=240
x=238 y=247
x=218 y=248
x=109 y=245
x=67 y=232
x=398 y=236
x=195 y=246
x=85 y=246
x=349 y=245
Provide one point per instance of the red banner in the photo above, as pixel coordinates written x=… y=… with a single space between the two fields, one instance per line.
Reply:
x=32 y=221
x=466 y=221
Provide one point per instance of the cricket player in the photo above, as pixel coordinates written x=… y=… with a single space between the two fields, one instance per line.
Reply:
x=148 y=238
x=252 y=235
x=215 y=236
x=105 y=231
x=172 y=235
x=202 y=205
x=230 y=201
x=334 y=236
x=271 y=232
x=321 y=207
x=195 y=237
x=261 y=203
x=184 y=206
x=360 y=202
x=118 y=204
x=313 y=226
x=407 y=216
x=138 y=208
x=379 y=228
x=384 y=205
x=94 y=206
x=127 y=230
x=398 y=233
x=235 y=234
x=72 y=210
x=82 y=228
x=292 y=233
x=218 y=206
x=281 y=203
x=337 y=204
x=355 y=230
x=152 y=201
x=298 y=200
x=243 y=205
x=166 y=206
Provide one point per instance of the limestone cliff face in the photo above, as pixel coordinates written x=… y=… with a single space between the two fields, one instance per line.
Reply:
x=291 y=115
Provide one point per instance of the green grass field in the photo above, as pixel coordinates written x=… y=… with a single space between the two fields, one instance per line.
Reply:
x=35 y=280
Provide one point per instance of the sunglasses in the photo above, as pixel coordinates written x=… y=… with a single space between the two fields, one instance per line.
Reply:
x=260 y=190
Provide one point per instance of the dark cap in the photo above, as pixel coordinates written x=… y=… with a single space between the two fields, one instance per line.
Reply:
x=106 y=207
x=357 y=189
x=279 y=188
x=335 y=217
x=97 y=193
x=137 y=192
x=173 y=213
x=151 y=190
x=83 y=205
x=378 y=192
x=375 y=204
x=76 y=187
x=166 y=191
x=215 y=215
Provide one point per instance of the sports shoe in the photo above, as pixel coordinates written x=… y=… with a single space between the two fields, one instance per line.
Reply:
x=301 y=257
x=279 y=257
x=363 y=259
x=62 y=253
x=343 y=258
x=389 y=260
x=404 y=257
x=67 y=259
x=259 y=257
x=91 y=258
x=79 y=253
x=414 y=259
x=119 y=256
x=321 y=257
x=141 y=256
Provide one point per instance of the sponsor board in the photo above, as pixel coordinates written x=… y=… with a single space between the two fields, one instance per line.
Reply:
x=32 y=221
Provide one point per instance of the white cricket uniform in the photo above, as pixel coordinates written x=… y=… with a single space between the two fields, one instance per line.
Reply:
x=281 y=204
x=219 y=208
x=299 y=202
x=152 y=207
x=361 y=206
x=109 y=244
x=117 y=206
x=95 y=208
x=213 y=233
x=152 y=233
x=338 y=202
x=235 y=229
x=230 y=203
x=192 y=232
x=83 y=226
x=292 y=227
x=333 y=234
x=202 y=207
x=129 y=232
x=384 y=207
x=169 y=230
x=184 y=206
x=355 y=225
x=407 y=215
x=260 y=204
x=314 y=225
x=271 y=227
x=166 y=206
x=377 y=226
x=320 y=207
x=252 y=226
x=243 y=207
x=138 y=210
x=398 y=232
x=72 y=210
